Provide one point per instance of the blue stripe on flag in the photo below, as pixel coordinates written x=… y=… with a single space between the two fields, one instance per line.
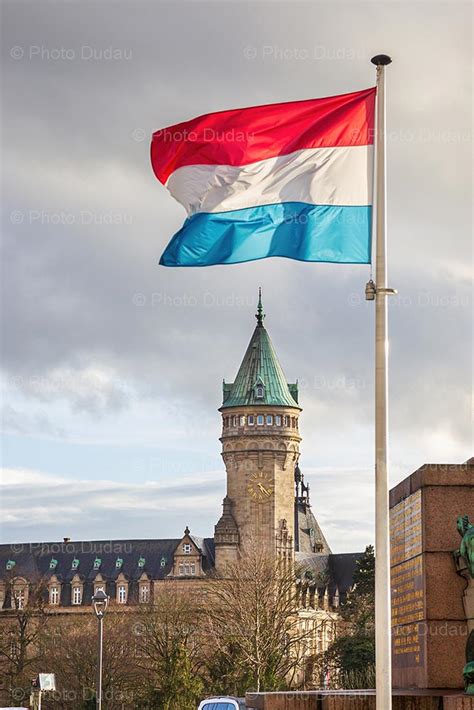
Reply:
x=296 y=230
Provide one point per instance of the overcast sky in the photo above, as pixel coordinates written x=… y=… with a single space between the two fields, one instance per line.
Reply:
x=112 y=365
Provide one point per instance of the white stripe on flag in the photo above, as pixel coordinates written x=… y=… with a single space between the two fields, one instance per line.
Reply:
x=318 y=176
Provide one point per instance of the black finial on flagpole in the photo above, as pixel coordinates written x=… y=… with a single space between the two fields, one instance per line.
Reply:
x=381 y=60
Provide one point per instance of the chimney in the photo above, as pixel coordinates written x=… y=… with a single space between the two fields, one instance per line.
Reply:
x=66 y=540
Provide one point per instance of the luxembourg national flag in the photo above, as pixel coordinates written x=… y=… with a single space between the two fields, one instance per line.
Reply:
x=291 y=179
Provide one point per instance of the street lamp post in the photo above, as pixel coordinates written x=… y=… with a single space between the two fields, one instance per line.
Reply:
x=100 y=602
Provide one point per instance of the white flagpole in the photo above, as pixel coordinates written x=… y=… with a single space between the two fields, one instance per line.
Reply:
x=383 y=650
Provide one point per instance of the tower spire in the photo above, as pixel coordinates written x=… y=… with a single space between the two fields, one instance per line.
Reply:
x=260 y=315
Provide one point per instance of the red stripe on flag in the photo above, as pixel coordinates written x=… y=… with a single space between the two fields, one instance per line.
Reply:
x=247 y=135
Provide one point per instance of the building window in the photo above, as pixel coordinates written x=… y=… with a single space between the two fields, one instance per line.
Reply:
x=19 y=599
x=76 y=595
x=259 y=392
x=251 y=420
x=54 y=595
x=293 y=422
x=242 y=421
x=234 y=420
x=122 y=594
x=260 y=419
x=181 y=569
x=269 y=420
x=193 y=568
x=144 y=593
x=277 y=420
x=187 y=548
x=286 y=420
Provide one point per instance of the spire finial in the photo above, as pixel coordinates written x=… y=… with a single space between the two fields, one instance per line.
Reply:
x=260 y=315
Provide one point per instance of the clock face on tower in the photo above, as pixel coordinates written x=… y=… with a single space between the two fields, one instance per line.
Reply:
x=260 y=487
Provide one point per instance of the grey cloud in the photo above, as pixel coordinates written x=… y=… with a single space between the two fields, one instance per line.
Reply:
x=85 y=221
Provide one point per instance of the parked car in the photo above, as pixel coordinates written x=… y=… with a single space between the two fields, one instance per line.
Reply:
x=223 y=703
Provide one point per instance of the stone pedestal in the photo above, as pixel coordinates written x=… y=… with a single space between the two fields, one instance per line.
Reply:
x=429 y=628
x=358 y=700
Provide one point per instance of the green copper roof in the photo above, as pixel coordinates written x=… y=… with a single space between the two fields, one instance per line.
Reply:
x=260 y=367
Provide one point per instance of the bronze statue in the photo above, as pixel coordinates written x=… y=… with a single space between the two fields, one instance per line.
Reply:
x=466 y=548
x=466 y=554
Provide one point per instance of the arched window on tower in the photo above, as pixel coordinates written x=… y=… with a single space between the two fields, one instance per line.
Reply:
x=259 y=389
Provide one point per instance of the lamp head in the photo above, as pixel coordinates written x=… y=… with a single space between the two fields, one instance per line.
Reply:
x=100 y=602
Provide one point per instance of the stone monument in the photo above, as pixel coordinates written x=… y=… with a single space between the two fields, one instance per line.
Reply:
x=429 y=626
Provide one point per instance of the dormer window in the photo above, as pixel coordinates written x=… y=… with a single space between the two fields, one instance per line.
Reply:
x=19 y=599
x=10 y=565
x=141 y=562
x=75 y=563
x=54 y=595
x=77 y=594
x=53 y=564
x=118 y=563
x=144 y=595
x=97 y=563
x=187 y=548
x=163 y=562
x=187 y=569
x=259 y=391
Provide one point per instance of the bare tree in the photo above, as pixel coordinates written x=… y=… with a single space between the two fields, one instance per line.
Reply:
x=255 y=637
x=72 y=653
x=22 y=630
x=169 y=649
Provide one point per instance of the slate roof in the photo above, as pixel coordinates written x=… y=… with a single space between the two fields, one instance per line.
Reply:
x=341 y=571
x=310 y=533
x=338 y=568
x=316 y=562
x=260 y=365
x=34 y=559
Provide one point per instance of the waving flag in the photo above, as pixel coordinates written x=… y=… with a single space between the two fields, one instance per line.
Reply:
x=291 y=180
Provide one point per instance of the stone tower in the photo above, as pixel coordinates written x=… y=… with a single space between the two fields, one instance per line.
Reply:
x=260 y=448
